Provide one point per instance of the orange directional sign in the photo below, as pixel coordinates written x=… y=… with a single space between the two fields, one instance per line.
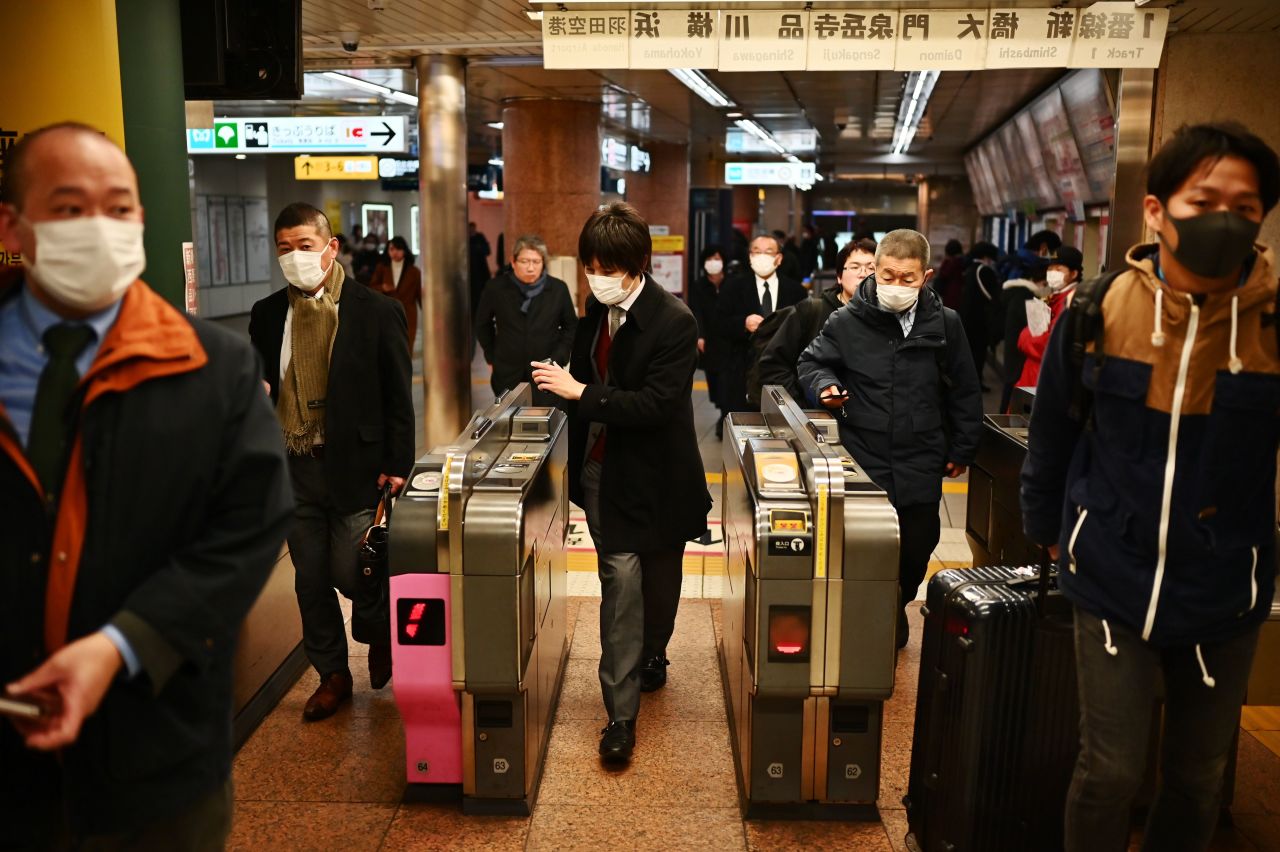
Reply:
x=335 y=168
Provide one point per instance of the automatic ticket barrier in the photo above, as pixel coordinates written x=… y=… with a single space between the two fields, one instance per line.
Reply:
x=809 y=614
x=478 y=584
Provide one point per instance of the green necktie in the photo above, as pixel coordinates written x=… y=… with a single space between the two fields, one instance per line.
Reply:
x=47 y=441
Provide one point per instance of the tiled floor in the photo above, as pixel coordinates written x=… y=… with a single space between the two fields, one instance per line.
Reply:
x=338 y=784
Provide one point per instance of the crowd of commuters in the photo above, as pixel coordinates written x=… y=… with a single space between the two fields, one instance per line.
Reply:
x=1150 y=479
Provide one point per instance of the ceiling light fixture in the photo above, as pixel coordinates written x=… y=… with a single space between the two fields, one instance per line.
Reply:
x=911 y=112
x=763 y=135
x=384 y=91
x=496 y=125
x=495 y=161
x=702 y=87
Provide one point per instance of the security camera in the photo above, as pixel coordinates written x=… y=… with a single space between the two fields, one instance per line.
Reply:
x=350 y=41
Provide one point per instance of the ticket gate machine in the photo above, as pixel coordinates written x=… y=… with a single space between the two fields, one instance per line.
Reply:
x=478 y=585
x=810 y=610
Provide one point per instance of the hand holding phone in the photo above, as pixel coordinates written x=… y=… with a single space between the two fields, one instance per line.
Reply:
x=834 y=397
x=23 y=708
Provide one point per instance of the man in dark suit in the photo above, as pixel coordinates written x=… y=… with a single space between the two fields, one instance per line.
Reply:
x=634 y=465
x=337 y=363
x=745 y=300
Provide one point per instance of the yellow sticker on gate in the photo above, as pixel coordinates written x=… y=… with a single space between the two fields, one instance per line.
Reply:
x=444 y=493
x=820 y=547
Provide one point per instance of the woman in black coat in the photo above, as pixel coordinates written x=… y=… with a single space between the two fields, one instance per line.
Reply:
x=524 y=315
x=702 y=301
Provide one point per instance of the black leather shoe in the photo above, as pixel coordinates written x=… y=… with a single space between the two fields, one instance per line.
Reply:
x=653 y=674
x=904 y=630
x=617 y=742
x=379 y=665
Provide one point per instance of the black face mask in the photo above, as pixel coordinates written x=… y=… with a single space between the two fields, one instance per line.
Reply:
x=1214 y=245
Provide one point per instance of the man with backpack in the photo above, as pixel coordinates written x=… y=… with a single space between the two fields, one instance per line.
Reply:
x=1151 y=472
x=777 y=362
x=895 y=363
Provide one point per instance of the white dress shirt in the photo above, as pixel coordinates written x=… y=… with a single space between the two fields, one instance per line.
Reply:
x=626 y=303
x=772 y=281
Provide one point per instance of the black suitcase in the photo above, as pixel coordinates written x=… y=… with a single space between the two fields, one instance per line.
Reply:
x=996 y=729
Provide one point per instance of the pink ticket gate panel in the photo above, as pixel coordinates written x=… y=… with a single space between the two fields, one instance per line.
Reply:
x=422 y=658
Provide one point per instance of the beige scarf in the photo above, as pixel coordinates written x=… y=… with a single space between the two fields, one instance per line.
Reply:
x=306 y=381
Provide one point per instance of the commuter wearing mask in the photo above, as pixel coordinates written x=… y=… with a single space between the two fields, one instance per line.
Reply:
x=634 y=464
x=1159 y=493
x=136 y=534
x=1017 y=294
x=524 y=315
x=856 y=261
x=711 y=346
x=398 y=277
x=337 y=367
x=1061 y=279
x=896 y=365
x=745 y=300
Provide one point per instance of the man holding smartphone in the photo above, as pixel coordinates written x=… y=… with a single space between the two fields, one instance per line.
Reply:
x=144 y=498
x=896 y=364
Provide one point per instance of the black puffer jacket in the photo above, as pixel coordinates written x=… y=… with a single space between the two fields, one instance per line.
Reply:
x=778 y=361
x=902 y=423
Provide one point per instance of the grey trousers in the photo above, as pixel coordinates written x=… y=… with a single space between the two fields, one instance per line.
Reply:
x=323 y=545
x=1116 y=696
x=638 y=601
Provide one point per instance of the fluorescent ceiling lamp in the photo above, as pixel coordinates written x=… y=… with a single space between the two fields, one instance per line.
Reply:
x=495 y=161
x=496 y=125
x=763 y=135
x=702 y=87
x=384 y=91
x=920 y=85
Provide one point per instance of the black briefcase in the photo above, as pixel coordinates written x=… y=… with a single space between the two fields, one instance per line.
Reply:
x=371 y=623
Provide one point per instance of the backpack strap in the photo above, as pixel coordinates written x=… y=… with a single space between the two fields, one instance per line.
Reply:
x=1084 y=324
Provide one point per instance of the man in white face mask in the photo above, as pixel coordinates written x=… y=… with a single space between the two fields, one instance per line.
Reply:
x=634 y=465
x=145 y=500
x=897 y=366
x=746 y=301
x=337 y=364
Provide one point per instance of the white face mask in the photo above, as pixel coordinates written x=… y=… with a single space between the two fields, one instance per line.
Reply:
x=608 y=290
x=714 y=266
x=1056 y=279
x=764 y=264
x=86 y=263
x=303 y=269
x=896 y=297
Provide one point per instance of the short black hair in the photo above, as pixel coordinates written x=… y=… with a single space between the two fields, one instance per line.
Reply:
x=954 y=247
x=616 y=237
x=1043 y=238
x=709 y=252
x=1069 y=257
x=1192 y=144
x=301 y=214
x=864 y=244
x=13 y=162
x=984 y=249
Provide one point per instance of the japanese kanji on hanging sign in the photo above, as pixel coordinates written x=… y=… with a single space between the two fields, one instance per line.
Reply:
x=1113 y=34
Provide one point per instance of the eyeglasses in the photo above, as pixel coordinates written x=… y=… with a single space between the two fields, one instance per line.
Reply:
x=537 y=261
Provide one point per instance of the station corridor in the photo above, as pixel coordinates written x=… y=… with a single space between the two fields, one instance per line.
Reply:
x=338 y=784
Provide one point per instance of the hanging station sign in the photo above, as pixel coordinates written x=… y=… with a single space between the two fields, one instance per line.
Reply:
x=321 y=134
x=770 y=174
x=1112 y=34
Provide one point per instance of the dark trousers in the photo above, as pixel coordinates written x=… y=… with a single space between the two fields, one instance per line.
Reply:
x=323 y=545
x=919 y=528
x=1117 y=693
x=639 y=596
x=204 y=826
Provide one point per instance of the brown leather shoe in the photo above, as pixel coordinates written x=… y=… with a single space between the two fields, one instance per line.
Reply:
x=324 y=702
x=379 y=664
